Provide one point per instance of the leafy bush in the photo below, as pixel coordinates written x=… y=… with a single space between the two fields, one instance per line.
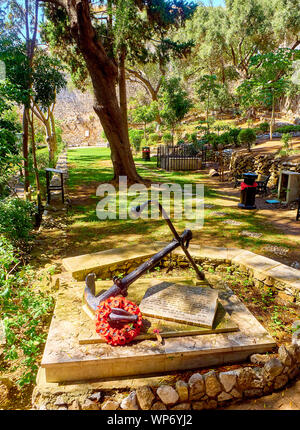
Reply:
x=195 y=148
x=167 y=137
x=16 y=219
x=247 y=136
x=151 y=128
x=192 y=138
x=22 y=309
x=154 y=137
x=225 y=139
x=135 y=137
x=233 y=133
x=9 y=145
x=42 y=158
x=288 y=129
x=264 y=127
x=285 y=138
x=211 y=139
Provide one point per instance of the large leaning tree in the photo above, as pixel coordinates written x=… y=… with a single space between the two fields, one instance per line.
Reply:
x=102 y=35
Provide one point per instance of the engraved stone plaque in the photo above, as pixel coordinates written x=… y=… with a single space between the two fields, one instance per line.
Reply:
x=181 y=303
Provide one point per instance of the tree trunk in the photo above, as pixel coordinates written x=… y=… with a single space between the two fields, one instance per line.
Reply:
x=49 y=124
x=173 y=131
x=53 y=131
x=36 y=171
x=122 y=89
x=25 y=152
x=103 y=72
x=272 y=118
x=49 y=139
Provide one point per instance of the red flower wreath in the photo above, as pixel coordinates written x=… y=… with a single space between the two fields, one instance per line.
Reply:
x=115 y=336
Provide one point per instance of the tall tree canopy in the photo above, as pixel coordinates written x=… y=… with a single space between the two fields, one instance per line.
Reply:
x=102 y=36
x=226 y=37
x=21 y=18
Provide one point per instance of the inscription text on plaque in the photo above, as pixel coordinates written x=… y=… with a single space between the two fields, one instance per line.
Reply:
x=181 y=303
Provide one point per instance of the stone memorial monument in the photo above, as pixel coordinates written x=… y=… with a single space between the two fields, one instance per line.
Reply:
x=180 y=303
x=198 y=324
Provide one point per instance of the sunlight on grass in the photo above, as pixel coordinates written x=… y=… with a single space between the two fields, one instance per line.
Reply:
x=93 y=166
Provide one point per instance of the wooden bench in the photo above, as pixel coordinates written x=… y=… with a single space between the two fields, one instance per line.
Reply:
x=54 y=187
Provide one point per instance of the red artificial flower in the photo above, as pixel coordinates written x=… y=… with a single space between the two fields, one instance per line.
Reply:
x=115 y=336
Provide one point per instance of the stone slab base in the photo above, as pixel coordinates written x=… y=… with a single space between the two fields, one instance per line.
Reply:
x=222 y=324
x=65 y=359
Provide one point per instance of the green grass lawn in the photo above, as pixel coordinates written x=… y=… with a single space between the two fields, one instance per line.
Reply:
x=88 y=167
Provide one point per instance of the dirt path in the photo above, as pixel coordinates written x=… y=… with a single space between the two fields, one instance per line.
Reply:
x=285 y=400
x=283 y=219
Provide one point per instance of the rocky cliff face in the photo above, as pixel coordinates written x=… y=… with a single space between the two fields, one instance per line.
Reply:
x=80 y=125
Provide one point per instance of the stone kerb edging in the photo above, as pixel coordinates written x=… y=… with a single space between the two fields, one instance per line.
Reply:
x=275 y=134
x=264 y=271
x=202 y=391
x=216 y=389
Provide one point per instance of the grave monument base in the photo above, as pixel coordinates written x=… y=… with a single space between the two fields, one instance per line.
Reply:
x=67 y=357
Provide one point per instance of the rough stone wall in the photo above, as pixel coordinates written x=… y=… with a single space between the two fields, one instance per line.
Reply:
x=290 y=106
x=74 y=110
x=77 y=118
x=262 y=164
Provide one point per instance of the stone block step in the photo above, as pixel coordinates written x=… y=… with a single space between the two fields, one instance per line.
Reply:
x=82 y=265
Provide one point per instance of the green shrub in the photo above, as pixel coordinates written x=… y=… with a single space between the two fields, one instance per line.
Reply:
x=264 y=127
x=42 y=158
x=7 y=258
x=167 y=137
x=151 y=128
x=22 y=309
x=225 y=139
x=247 y=136
x=192 y=138
x=233 y=133
x=196 y=148
x=16 y=219
x=211 y=139
x=285 y=138
x=288 y=129
x=154 y=137
x=135 y=137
